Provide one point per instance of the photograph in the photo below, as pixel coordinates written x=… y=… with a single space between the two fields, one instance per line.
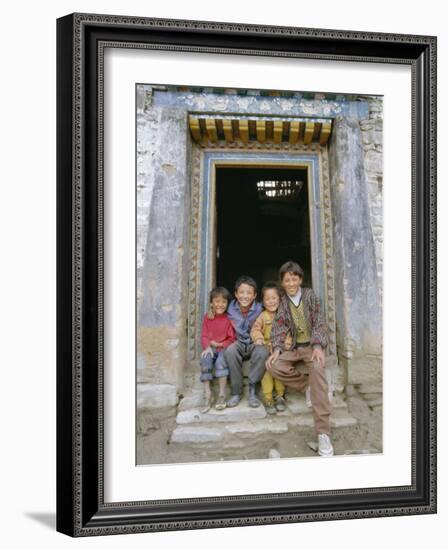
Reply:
x=259 y=255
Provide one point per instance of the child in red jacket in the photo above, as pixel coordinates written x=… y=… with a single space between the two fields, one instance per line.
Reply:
x=217 y=334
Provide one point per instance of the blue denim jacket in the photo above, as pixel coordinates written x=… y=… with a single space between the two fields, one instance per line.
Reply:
x=241 y=323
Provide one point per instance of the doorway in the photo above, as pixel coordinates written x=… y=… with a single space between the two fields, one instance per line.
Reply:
x=250 y=211
x=262 y=216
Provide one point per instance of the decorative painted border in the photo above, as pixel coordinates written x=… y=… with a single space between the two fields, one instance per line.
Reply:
x=195 y=255
x=196 y=222
x=328 y=249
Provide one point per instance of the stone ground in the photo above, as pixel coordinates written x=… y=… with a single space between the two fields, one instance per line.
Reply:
x=183 y=434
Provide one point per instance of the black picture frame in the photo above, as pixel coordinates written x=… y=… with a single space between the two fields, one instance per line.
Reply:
x=81 y=510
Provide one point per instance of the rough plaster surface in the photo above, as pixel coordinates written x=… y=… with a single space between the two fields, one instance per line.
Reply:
x=358 y=303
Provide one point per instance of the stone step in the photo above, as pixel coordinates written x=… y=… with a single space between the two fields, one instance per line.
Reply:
x=236 y=435
x=336 y=421
x=371 y=396
x=370 y=388
x=194 y=399
x=235 y=414
x=296 y=403
x=191 y=434
x=189 y=409
x=233 y=434
x=260 y=427
x=375 y=402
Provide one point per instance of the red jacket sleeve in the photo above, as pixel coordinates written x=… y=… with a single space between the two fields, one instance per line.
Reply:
x=205 y=338
x=230 y=336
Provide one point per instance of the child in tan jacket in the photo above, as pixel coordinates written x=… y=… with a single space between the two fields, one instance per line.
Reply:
x=261 y=336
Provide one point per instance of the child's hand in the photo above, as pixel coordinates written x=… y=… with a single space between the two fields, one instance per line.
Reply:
x=318 y=355
x=206 y=352
x=259 y=342
x=216 y=344
x=272 y=359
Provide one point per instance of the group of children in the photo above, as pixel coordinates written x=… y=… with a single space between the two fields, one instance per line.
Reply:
x=286 y=330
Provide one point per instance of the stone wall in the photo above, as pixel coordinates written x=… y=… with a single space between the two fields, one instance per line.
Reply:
x=372 y=141
x=356 y=181
x=148 y=124
x=162 y=236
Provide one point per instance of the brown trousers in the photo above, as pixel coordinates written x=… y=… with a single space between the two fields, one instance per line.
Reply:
x=286 y=369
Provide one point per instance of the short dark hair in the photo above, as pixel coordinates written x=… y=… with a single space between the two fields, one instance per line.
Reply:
x=270 y=285
x=245 y=280
x=220 y=291
x=290 y=267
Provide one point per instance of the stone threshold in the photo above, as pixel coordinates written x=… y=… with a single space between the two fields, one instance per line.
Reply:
x=234 y=425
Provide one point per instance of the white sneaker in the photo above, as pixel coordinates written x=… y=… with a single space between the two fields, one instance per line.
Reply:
x=324 y=446
x=308 y=397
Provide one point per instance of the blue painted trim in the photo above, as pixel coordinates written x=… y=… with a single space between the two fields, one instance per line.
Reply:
x=317 y=251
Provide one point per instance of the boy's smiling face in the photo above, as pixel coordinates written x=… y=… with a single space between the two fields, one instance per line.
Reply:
x=291 y=283
x=245 y=295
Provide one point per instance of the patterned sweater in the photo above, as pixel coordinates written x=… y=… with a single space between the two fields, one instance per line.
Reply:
x=262 y=329
x=283 y=324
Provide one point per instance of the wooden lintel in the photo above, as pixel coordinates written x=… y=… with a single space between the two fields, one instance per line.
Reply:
x=195 y=129
x=228 y=130
x=294 y=129
x=325 y=133
x=211 y=129
x=309 y=131
x=278 y=131
x=261 y=130
x=243 y=127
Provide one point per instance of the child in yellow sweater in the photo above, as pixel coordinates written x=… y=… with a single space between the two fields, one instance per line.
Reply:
x=261 y=336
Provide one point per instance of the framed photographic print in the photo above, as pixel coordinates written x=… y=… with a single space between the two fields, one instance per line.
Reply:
x=246 y=274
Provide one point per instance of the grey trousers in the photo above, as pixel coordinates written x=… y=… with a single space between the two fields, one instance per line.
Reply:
x=234 y=356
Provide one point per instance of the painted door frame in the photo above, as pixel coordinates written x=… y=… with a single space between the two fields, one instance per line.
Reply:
x=202 y=273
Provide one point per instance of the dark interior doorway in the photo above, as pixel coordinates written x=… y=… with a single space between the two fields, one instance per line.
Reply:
x=262 y=221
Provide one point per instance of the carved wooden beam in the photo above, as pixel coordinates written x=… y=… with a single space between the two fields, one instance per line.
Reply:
x=243 y=127
x=228 y=130
x=278 y=131
x=195 y=129
x=211 y=129
x=261 y=130
x=309 y=131
x=325 y=132
x=294 y=130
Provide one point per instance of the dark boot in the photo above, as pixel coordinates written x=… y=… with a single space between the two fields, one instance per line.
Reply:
x=233 y=401
x=253 y=400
